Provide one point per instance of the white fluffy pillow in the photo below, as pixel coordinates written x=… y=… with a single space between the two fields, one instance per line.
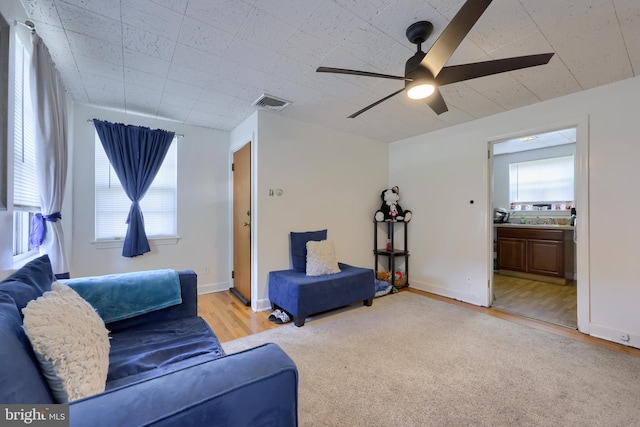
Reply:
x=70 y=341
x=321 y=258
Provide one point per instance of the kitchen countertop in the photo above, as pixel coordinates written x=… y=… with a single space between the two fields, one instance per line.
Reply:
x=540 y=226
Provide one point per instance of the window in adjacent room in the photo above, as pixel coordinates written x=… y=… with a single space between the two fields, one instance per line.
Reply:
x=159 y=205
x=547 y=184
x=26 y=199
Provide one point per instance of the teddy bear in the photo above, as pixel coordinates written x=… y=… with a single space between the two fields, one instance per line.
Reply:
x=390 y=210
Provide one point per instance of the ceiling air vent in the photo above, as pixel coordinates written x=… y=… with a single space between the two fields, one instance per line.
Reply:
x=269 y=102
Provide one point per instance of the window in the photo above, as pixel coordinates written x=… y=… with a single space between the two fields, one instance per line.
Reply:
x=26 y=200
x=542 y=182
x=159 y=205
x=4 y=107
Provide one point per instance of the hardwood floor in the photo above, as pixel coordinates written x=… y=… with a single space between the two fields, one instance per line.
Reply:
x=539 y=300
x=231 y=319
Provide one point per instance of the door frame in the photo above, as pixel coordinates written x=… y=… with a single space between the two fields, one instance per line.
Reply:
x=254 y=216
x=240 y=293
x=582 y=207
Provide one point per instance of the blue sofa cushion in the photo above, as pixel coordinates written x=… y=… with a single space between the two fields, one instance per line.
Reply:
x=153 y=346
x=22 y=381
x=299 y=246
x=163 y=370
x=255 y=387
x=28 y=283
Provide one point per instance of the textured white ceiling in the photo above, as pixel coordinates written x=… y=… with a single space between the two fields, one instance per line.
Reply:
x=204 y=62
x=533 y=142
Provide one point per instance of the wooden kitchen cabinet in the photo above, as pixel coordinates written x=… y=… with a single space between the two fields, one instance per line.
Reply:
x=531 y=251
x=545 y=257
x=512 y=254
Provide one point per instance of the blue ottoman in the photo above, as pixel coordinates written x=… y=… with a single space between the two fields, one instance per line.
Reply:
x=301 y=295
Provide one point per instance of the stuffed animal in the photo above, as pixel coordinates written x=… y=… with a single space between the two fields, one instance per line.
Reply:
x=390 y=210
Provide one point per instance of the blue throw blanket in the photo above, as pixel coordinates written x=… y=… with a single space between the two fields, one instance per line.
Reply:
x=120 y=296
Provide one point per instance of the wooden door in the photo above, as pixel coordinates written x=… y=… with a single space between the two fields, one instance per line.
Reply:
x=242 y=224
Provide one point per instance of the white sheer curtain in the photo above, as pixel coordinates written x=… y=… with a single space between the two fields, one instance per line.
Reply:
x=50 y=109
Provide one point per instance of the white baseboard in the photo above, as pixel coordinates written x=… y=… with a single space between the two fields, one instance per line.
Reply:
x=446 y=292
x=609 y=334
x=208 y=288
x=263 y=305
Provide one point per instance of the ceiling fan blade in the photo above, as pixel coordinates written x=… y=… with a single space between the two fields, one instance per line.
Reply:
x=458 y=73
x=358 y=73
x=356 y=114
x=453 y=35
x=436 y=102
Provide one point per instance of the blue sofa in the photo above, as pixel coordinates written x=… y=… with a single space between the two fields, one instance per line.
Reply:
x=166 y=367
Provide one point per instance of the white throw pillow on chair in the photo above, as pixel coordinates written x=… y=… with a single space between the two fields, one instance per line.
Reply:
x=321 y=258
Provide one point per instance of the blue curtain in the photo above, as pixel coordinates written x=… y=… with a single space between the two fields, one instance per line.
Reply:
x=136 y=154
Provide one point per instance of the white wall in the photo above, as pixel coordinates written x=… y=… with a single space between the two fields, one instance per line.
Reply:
x=442 y=171
x=203 y=204
x=330 y=179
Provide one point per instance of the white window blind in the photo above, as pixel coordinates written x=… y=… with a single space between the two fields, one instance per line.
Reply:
x=25 y=188
x=26 y=199
x=546 y=180
x=159 y=205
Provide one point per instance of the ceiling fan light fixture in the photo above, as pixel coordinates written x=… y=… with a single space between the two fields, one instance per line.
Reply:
x=420 y=90
x=426 y=72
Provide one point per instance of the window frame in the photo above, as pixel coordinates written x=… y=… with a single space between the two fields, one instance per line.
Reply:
x=23 y=145
x=103 y=240
x=5 y=89
x=563 y=170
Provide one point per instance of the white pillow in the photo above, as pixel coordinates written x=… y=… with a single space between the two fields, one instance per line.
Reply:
x=70 y=341
x=321 y=258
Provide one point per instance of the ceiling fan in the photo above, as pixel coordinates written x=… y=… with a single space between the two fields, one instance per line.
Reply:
x=424 y=72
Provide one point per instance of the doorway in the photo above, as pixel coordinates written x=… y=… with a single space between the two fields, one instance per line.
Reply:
x=241 y=170
x=534 y=181
x=549 y=302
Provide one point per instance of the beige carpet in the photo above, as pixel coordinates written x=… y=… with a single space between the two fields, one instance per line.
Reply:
x=413 y=361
